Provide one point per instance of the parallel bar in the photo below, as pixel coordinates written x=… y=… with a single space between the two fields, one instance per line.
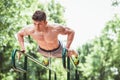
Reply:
x=49 y=70
x=36 y=61
x=25 y=64
x=73 y=63
x=76 y=75
x=49 y=74
x=25 y=68
x=76 y=70
x=75 y=67
x=19 y=70
x=68 y=67
x=13 y=62
x=55 y=77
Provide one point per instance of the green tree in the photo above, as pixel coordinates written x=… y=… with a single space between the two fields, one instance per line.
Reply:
x=115 y=2
x=101 y=57
x=13 y=16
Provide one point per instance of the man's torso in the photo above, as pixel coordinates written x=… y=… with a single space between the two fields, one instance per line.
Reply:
x=47 y=40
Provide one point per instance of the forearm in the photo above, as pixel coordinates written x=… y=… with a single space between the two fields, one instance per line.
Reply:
x=21 y=41
x=70 y=39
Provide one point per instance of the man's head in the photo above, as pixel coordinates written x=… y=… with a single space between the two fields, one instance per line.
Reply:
x=39 y=19
x=39 y=16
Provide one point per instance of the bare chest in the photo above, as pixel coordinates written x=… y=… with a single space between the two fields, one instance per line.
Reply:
x=44 y=36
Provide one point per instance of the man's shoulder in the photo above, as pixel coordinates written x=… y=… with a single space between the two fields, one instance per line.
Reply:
x=56 y=27
x=53 y=25
x=29 y=28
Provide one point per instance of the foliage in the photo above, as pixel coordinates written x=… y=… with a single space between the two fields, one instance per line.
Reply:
x=115 y=2
x=13 y=16
x=100 y=57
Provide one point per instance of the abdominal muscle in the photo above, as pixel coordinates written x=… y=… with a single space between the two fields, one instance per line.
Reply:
x=48 y=45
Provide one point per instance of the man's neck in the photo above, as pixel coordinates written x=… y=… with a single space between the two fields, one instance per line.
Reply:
x=42 y=29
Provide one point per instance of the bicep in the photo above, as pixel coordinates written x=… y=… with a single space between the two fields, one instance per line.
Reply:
x=23 y=32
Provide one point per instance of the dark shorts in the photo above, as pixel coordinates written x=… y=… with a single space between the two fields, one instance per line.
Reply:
x=56 y=53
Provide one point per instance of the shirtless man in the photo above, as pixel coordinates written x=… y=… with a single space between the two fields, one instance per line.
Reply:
x=46 y=36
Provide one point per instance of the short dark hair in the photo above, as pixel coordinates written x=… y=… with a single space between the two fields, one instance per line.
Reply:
x=39 y=16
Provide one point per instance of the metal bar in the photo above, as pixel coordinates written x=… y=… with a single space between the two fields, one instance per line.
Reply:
x=68 y=67
x=38 y=62
x=25 y=64
x=13 y=62
x=49 y=74
x=76 y=75
x=55 y=76
x=73 y=63
x=75 y=67
x=29 y=57
x=20 y=70
x=49 y=66
x=25 y=68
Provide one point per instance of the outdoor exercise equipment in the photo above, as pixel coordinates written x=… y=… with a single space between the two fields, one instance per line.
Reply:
x=66 y=64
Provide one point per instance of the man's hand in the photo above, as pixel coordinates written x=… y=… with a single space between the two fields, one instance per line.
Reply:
x=71 y=52
x=74 y=55
x=20 y=52
x=23 y=51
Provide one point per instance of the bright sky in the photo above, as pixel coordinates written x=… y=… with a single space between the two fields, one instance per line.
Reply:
x=87 y=17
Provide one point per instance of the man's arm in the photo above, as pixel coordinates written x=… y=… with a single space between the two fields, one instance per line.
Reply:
x=23 y=32
x=66 y=31
x=70 y=37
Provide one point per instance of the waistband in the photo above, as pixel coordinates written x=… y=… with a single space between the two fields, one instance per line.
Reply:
x=52 y=49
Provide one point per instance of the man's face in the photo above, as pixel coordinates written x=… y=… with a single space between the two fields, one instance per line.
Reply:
x=39 y=24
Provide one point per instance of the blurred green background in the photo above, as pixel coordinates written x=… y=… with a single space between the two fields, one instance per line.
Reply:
x=99 y=58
